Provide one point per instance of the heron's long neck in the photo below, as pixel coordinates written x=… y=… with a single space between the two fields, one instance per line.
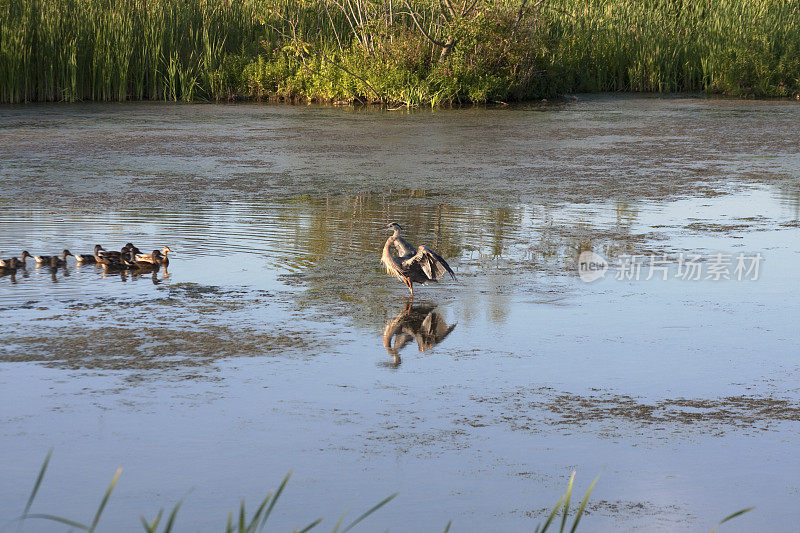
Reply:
x=389 y=242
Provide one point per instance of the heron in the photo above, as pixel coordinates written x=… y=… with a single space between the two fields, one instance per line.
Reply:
x=411 y=265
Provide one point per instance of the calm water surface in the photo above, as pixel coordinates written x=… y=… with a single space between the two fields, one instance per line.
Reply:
x=273 y=342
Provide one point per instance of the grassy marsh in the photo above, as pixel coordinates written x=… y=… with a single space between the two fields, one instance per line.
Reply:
x=396 y=52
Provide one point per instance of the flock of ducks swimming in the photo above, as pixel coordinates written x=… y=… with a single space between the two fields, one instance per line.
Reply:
x=128 y=258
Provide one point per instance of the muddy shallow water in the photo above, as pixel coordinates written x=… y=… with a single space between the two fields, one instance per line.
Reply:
x=273 y=342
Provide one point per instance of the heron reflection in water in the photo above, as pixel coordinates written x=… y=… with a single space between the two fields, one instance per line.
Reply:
x=415 y=322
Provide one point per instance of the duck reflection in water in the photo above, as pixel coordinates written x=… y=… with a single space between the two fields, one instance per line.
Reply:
x=153 y=272
x=419 y=322
x=57 y=264
x=149 y=272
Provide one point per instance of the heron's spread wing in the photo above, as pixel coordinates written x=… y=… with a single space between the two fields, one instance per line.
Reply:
x=430 y=262
x=401 y=340
x=403 y=248
x=432 y=331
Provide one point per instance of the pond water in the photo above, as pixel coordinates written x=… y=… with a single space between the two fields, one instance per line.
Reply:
x=274 y=342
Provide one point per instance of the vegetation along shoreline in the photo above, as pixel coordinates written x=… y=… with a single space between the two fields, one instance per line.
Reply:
x=393 y=52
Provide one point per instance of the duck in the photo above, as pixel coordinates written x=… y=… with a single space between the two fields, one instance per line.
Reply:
x=123 y=262
x=112 y=254
x=20 y=262
x=147 y=261
x=46 y=259
x=89 y=258
x=112 y=266
x=11 y=264
x=56 y=261
x=158 y=257
x=25 y=254
x=129 y=261
x=107 y=261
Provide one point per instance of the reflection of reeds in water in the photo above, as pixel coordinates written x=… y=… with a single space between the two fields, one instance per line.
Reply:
x=332 y=245
x=321 y=229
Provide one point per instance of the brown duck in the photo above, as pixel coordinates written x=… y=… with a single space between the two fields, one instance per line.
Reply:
x=19 y=262
x=47 y=259
x=89 y=258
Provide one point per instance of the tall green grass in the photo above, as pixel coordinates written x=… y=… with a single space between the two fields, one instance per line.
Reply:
x=244 y=522
x=374 y=50
x=121 y=49
x=737 y=47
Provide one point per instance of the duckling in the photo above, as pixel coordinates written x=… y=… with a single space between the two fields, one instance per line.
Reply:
x=157 y=257
x=89 y=258
x=165 y=260
x=129 y=261
x=20 y=261
x=45 y=259
x=113 y=254
x=9 y=271
x=56 y=261
x=11 y=264
x=110 y=262
x=124 y=262
x=147 y=261
x=25 y=254
x=111 y=267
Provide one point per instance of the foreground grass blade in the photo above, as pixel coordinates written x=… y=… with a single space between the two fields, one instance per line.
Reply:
x=567 y=498
x=553 y=513
x=61 y=520
x=104 y=501
x=72 y=523
x=172 y=515
x=731 y=517
x=363 y=516
x=310 y=526
x=259 y=518
x=339 y=523
x=151 y=528
x=274 y=500
x=562 y=506
x=37 y=484
x=582 y=506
